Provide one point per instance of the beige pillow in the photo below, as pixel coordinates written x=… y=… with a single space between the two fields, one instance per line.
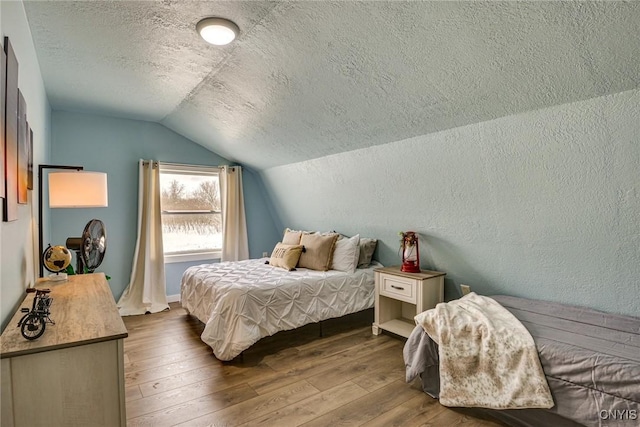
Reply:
x=318 y=250
x=291 y=237
x=285 y=256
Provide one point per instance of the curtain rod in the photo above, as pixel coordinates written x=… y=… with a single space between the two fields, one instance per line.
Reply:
x=156 y=163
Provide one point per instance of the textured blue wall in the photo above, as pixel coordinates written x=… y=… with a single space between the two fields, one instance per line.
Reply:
x=114 y=146
x=263 y=225
x=17 y=237
x=544 y=204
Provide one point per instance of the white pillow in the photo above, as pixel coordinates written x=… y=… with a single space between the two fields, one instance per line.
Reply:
x=346 y=254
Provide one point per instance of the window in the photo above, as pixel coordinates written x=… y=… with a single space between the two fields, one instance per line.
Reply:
x=191 y=212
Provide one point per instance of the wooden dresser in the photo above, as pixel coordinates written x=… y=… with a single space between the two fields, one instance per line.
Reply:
x=73 y=375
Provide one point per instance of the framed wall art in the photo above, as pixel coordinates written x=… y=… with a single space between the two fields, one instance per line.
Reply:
x=10 y=204
x=23 y=150
x=3 y=109
x=30 y=164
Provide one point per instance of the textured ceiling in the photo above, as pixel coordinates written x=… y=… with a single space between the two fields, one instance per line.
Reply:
x=309 y=79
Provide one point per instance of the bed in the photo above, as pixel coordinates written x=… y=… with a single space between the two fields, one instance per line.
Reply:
x=591 y=361
x=244 y=301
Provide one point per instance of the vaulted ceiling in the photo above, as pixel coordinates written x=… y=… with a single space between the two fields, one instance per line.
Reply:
x=309 y=79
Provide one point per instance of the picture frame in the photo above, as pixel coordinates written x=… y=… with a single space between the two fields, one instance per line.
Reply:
x=3 y=109
x=10 y=203
x=30 y=162
x=23 y=150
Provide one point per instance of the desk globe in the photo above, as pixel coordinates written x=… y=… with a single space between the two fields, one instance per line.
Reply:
x=56 y=259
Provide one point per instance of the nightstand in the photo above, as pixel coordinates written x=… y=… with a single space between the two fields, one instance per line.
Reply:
x=401 y=296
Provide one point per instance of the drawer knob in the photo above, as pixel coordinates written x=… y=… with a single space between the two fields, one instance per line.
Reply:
x=397 y=287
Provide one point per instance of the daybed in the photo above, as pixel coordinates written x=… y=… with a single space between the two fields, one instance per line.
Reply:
x=591 y=361
x=310 y=277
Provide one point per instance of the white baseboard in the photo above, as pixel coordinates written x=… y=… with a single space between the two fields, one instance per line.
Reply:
x=173 y=298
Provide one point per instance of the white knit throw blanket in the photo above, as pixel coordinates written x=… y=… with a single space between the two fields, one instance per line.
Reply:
x=487 y=357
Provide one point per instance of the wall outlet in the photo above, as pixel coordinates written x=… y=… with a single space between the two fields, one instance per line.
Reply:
x=465 y=289
x=265 y=254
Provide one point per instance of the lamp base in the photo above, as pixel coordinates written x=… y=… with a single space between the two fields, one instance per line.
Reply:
x=58 y=277
x=410 y=267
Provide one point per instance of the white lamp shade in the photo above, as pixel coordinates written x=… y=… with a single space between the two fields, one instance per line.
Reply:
x=217 y=31
x=78 y=189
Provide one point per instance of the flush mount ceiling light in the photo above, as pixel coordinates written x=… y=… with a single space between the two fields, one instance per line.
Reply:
x=218 y=31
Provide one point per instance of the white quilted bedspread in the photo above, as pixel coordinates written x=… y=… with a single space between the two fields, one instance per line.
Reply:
x=241 y=302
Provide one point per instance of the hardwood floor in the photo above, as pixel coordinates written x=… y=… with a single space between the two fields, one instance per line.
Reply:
x=348 y=377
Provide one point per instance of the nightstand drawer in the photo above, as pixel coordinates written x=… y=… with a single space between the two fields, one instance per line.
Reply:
x=401 y=288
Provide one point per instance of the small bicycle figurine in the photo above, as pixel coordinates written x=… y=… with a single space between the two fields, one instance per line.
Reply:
x=33 y=323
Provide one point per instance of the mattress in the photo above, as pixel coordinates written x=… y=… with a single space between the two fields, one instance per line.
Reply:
x=242 y=302
x=591 y=361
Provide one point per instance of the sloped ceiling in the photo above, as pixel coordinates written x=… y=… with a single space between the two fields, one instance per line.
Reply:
x=309 y=79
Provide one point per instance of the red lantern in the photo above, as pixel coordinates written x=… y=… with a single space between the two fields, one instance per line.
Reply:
x=410 y=252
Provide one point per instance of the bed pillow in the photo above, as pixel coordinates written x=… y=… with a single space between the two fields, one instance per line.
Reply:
x=346 y=254
x=325 y=233
x=318 y=250
x=291 y=237
x=285 y=256
x=367 y=247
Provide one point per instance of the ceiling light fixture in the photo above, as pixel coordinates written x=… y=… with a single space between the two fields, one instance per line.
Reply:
x=218 y=31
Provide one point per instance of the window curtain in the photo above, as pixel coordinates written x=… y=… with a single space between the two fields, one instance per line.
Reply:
x=235 y=244
x=146 y=292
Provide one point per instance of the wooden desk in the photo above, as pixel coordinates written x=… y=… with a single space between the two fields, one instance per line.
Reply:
x=73 y=375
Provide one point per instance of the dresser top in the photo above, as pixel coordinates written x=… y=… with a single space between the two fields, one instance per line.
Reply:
x=84 y=311
x=424 y=274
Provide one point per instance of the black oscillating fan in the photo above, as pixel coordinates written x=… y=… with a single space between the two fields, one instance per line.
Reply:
x=91 y=247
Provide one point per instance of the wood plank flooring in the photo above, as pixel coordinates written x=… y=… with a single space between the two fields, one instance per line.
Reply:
x=346 y=377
